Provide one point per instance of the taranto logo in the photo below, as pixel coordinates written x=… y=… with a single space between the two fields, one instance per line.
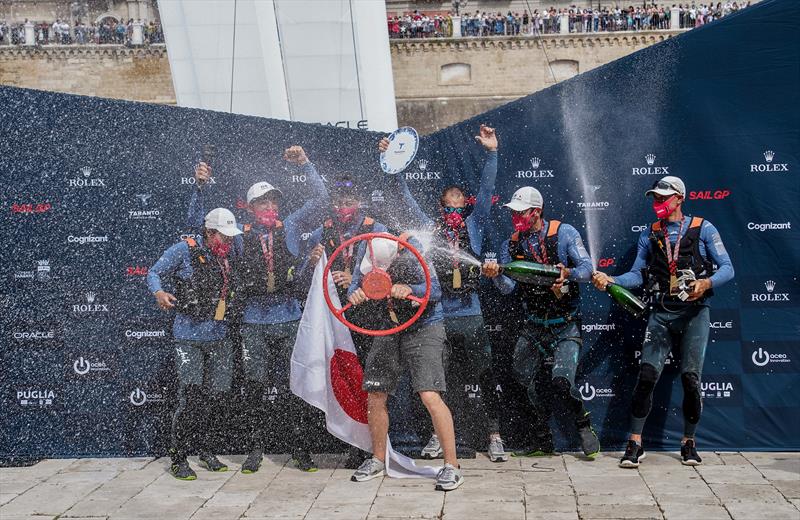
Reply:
x=40 y=274
x=144 y=213
x=377 y=196
x=85 y=180
x=762 y=358
x=770 y=295
x=589 y=392
x=650 y=169
x=709 y=195
x=768 y=166
x=768 y=226
x=535 y=172
x=35 y=397
x=90 y=306
x=136 y=270
x=422 y=173
x=83 y=366
x=31 y=207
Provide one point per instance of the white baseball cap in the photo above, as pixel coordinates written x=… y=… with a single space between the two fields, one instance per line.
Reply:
x=223 y=221
x=384 y=250
x=260 y=188
x=525 y=198
x=667 y=186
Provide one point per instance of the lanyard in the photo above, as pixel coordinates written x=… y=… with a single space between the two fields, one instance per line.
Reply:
x=542 y=247
x=672 y=257
x=267 y=252
x=347 y=253
x=225 y=269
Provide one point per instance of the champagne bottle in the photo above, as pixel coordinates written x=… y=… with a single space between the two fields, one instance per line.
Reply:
x=530 y=272
x=626 y=299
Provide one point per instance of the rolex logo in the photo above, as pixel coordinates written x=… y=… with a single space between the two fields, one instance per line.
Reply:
x=90 y=297
x=86 y=171
x=650 y=158
x=769 y=155
x=535 y=162
x=770 y=285
x=423 y=164
x=144 y=197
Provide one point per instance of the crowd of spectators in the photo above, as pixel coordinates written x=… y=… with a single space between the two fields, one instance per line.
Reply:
x=60 y=32
x=548 y=21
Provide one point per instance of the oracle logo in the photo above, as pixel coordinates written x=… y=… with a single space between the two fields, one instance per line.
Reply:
x=34 y=335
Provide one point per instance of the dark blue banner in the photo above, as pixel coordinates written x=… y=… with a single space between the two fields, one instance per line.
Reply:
x=94 y=190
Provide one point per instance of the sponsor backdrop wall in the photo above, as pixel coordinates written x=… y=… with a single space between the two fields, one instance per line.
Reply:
x=94 y=190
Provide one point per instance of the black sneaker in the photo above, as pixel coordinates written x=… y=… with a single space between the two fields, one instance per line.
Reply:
x=634 y=454
x=689 y=456
x=589 y=441
x=304 y=462
x=182 y=471
x=212 y=463
x=542 y=448
x=252 y=462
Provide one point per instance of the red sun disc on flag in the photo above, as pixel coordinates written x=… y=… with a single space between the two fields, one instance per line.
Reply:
x=346 y=377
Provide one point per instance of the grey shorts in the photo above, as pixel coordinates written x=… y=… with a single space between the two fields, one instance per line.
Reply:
x=420 y=351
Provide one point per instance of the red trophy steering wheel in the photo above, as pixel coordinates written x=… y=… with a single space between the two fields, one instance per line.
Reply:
x=377 y=284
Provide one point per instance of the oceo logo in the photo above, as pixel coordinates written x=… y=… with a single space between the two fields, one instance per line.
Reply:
x=650 y=169
x=768 y=226
x=589 y=392
x=81 y=366
x=762 y=358
x=534 y=172
x=769 y=166
x=709 y=195
x=138 y=397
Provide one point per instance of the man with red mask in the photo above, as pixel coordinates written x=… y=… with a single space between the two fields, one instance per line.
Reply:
x=270 y=250
x=675 y=262
x=201 y=274
x=458 y=230
x=547 y=351
x=346 y=220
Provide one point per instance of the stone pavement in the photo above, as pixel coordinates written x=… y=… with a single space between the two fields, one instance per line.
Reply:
x=757 y=486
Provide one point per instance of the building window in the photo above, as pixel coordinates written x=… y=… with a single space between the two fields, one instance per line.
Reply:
x=455 y=74
x=563 y=69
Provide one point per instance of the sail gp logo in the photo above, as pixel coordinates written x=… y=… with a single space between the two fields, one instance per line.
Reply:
x=709 y=195
x=535 y=172
x=761 y=357
x=650 y=169
x=422 y=173
x=87 y=178
x=769 y=165
x=589 y=392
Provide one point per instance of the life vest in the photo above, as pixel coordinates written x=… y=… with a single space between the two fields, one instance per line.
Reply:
x=446 y=263
x=689 y=256
x=255 y=266
x=199 y=295
x=540 y=300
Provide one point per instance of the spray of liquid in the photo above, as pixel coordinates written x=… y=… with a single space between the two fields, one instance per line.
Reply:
x=431 y=242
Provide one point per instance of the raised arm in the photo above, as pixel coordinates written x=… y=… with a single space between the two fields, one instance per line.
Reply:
x=476 y=222
x=309 y=215
x=398 y=184
x=196 y=214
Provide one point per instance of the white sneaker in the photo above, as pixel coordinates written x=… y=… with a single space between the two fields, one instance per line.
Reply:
x=433 y=450
x=496 y=451
x=449 y=478
x=369 y=469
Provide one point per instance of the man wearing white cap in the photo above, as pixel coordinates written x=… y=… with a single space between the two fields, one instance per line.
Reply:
x=419 y=349
x=547 y=352
x=675 y=263
x=270 y=250
x=200 y=272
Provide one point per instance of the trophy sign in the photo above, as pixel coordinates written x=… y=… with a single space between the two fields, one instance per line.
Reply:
x=403 y=145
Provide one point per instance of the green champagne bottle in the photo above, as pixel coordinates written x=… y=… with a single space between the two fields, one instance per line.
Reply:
x=530 y=272
x=626 y=299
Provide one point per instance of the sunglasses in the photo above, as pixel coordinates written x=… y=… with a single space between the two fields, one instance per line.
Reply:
x=448 y=210
x=344 y=184
x=665 y=185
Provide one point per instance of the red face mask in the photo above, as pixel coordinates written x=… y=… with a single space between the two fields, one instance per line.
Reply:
x=266 y=217
x=220 y=248
x=454 y=220
x=662 y=209
x=345 y=215
x=521 y=222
